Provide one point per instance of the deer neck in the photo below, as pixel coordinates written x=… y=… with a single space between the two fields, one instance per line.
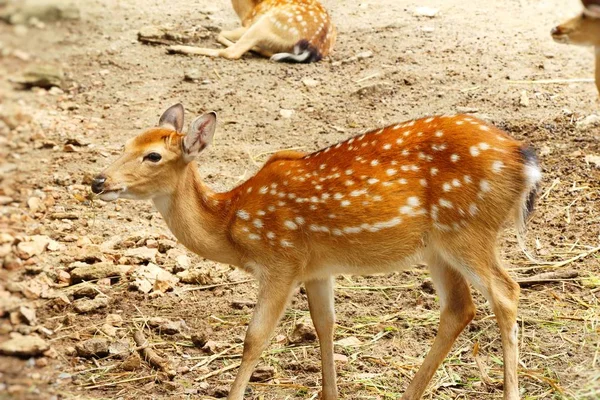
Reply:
x=243 y=8
x=197 y=217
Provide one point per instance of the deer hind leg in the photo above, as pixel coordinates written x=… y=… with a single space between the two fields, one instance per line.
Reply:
x=481 y=266
x=260 y=32
x=457 y=310
x=321 y=305
x=273 y=296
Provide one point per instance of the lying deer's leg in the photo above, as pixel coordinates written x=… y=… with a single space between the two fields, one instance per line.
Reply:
x=484 y=270
x=261 y=31
x=273 y=295
x=457 y=310
x=597 y=49
x=321 y=304
x=231 y=36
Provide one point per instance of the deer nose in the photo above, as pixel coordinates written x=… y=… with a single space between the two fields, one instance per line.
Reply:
x=556 y=31
x=98 y=184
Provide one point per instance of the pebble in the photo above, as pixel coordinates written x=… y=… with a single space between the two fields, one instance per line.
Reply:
x=285 y=113
x=24 y=346
x=85 y=305
x=309 y=82
x=95 y=347
x=94 y=272
x=303 y=333
x=262 y=374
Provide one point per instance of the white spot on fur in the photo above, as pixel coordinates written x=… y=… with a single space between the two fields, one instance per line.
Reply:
x=290 y=225
x=253 y=236
x=434 y=171
x=456 y=183
x=439 y=134
x=387 y=146
x=257 y=223
x=445 y=203
x=391 y=172
x=473 y=209
x=447 y=187
x=372 y=181
x=374 y=163
x=263 y=190
x=497 y=166
x=286 y=243
x=485 y=186
x=467 y=179
x=243 y=215
x=474 y=151
x=454 y=157
x=356 y=193
x=345 y=203
x=271 y=235
x=484 y=146
x=484 y=128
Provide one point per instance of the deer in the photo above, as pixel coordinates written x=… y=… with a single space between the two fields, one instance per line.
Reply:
x=437 y=189
x=583 y=30
x=298 y=31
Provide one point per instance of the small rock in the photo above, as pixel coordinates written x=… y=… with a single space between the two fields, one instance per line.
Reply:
x=364 y=54
x=192 y=75
x=142 y=254
x=591 y=121
x=109 y=330
x=12 y=262
x=426 y=12
x=309 y=82
x=35 y=204
x=88 y=290
x=262 y=374
x=167 y=326
x=27 y=315
x=114 y=320
x=182 y=263
x=524 y=100
x=95 y=347
x=545 y=150
x=303 y=333
x=44 y=76
x=34 y=246
x=119 y=349
x=64 y=215
x=195 y=277
x=5 y=200
x=593 y=159
x=24 y=346
x=131 y=363
x=94 y=272
x=152 y=277
x=286 y=113
x=86 y=305
x=41 y=362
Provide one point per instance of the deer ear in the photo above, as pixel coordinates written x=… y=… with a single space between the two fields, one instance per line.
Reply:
x=172 y=118
x=199 y=136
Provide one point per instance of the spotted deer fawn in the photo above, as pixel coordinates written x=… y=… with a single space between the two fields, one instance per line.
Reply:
x=436 y=189
x=584 y=30
x=284 y=30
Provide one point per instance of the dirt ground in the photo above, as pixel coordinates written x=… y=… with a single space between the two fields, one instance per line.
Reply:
x=388 y=65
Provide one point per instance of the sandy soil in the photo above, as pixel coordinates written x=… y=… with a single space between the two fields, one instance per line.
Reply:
x=480 y=59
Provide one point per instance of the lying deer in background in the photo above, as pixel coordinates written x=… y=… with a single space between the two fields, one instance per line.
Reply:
x=437 y=189
x=583 y=30
x=284 y=30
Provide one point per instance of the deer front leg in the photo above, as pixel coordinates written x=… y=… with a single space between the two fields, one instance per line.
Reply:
x=597 y=49
x=321 y=305
x=273 y=296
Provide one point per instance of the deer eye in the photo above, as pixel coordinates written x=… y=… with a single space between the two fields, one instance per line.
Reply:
x=152 y=157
